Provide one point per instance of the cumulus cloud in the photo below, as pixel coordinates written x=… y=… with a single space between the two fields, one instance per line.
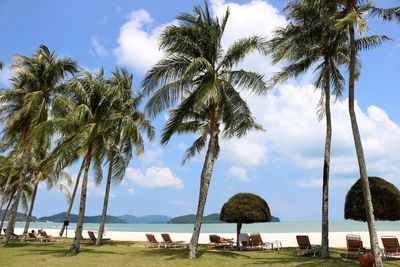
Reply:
x=138 y=42
x=238 y=173
x=154 y=177
x=294 y=132
x=97 y=48
x=96 y=190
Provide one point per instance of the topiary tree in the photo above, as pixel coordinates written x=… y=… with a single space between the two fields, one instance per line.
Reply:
x=385 y=200
x=245 y=208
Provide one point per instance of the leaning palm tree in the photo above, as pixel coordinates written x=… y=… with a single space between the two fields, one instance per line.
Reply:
x=196 y=77
x=126 y=135
x=310 y=41
x=89 y=110
x=36 y=81
x=351 y=16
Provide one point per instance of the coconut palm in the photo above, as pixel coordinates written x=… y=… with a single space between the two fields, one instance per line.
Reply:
x=84 y=128
x=26 y=104
x=197 y=77
x=310 y=41
x=125 y=136
x=351 y=18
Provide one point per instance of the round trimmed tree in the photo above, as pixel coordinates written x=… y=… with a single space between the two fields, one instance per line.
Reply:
x=385 y=200
x=245 y=208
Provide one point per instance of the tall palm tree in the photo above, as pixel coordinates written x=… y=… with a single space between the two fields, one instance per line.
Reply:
x=126 y=134
x=199 y=78
x=36 y=80
x=310 y=41
x=351 y=16
x=88 y=112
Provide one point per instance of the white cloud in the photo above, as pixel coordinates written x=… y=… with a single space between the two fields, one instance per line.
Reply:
x=96 y=190
x=154 y=177
x=293 y=131
x=131 y=192
x=239 y=173
x=248 y=151
x=138 y=42
x=97 y=48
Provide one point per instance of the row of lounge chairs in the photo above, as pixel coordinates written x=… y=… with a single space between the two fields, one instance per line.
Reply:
x=391 y=246
x=41 y=236
x=255 y=242
x=166 y=243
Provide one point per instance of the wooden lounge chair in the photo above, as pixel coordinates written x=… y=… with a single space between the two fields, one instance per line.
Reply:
x=174 y=244
x=217 y=241
x=391 y=246
x=93 y=238
x=305 y=246
x=31 y=237
x=354 y=245
x=256 y=242
x=152 y=242
x=12 y=235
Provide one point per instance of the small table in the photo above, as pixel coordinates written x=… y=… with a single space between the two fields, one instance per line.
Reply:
x=277 y=244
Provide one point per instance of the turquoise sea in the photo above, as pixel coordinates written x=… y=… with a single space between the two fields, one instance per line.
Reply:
x=281 y=227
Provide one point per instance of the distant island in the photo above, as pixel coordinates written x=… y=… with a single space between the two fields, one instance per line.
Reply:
x=212 y=218
x=185 y=219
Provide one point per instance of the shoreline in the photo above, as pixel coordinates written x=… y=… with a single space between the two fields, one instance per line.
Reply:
x=336 y=239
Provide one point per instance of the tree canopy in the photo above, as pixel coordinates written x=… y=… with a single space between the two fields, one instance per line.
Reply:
x=385 y=200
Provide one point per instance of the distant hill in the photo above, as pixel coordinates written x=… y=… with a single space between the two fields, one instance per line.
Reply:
x=73 y=218
x=145 y=219
x=21 y=217
x=212 y=218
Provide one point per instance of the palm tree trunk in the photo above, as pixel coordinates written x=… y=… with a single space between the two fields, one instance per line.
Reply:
x=327 y=157
x=105 y=204
x=75 y=247
x=28 y=217
x=17 y=198
x=72 y=198
x=369 y=209
x=6 y=210
x=6 y=188
x=204 y=184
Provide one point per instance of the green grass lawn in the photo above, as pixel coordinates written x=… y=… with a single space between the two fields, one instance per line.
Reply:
x=136 y=254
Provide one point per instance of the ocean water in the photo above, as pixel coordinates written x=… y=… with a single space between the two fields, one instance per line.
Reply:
x=281 y=227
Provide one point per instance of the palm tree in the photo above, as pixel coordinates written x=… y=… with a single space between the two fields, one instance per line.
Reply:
x=1 y=65
x=84 y=128
x=351 y=17
x=125 y=135
x=310 y=41
x=37 y=79
x=198 y=76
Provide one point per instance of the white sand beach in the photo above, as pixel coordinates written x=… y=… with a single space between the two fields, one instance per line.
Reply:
x=336 y=239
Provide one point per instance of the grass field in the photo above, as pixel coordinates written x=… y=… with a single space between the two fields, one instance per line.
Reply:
x=136 y=254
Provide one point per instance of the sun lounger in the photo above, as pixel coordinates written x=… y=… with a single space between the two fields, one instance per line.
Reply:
x=244 y=241
x=256 y=242
x=305 y=247
x=217 y=241
x=174 y=244
x=31 y=237
x=391 y=246
x=152 y=242
x=354 y=245
x=93 y=238
x=12 y=235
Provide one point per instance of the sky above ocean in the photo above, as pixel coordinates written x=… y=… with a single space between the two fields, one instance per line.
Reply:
x=283 y=164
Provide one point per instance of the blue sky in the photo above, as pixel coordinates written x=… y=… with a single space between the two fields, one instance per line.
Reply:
x=283 y=164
